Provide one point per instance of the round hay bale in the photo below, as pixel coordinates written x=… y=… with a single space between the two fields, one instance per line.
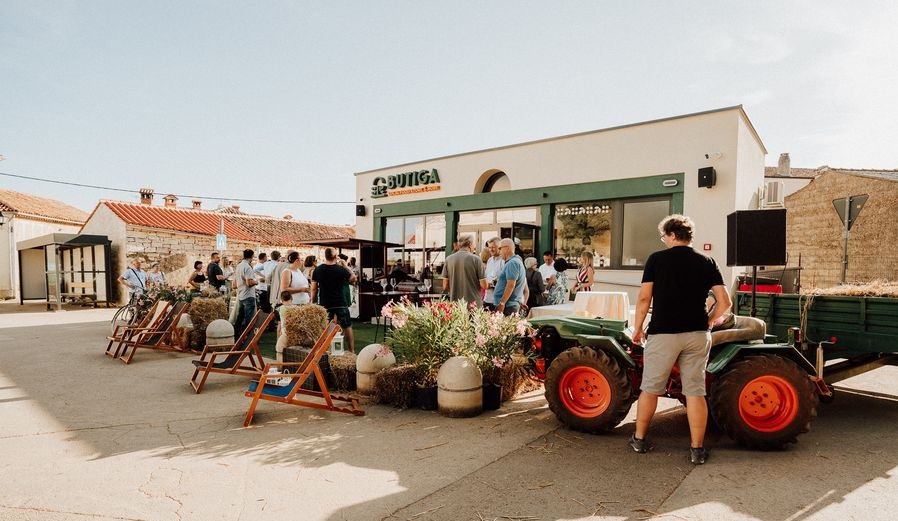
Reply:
x=460 y=388
x=395 y=385
x=202 y=312
x=371 y=360
x=304 y=324
x=343 y=371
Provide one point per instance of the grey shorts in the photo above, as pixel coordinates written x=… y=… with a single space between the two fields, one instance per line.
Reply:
x=688 y=350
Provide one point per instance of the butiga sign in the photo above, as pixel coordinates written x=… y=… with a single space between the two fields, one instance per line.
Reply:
x=406 y=183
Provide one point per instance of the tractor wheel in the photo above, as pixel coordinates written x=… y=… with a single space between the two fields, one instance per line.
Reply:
x=764 y=402
x=588 y=390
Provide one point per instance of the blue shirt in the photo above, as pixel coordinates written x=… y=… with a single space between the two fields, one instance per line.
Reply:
x=513 y=270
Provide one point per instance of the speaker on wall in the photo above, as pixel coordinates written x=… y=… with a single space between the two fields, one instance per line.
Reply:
x=707 y=177
x=360 y=210
x=756 y=238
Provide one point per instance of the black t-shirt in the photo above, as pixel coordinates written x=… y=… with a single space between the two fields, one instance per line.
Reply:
x=330 y=279
x=213 y=270
x=681 y=278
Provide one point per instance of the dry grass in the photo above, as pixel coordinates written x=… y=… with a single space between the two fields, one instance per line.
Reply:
x=396 y=384
x=304 y=324
x=343 y=371
x=202 y=312
x=514 y=379
x=877 y=288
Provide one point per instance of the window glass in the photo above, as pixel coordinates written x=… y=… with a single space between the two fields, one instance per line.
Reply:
x=435 y=235
x=471 y=218
x=394 y=233
x=413 y=240
x=584 y=227
x=518 y=215
x=640 y=238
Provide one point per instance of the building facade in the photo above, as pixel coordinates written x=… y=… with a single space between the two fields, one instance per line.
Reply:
x=26 y=216
x=603 y=191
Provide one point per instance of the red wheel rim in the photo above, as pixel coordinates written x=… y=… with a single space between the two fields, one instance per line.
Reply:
x=768 y=403
x=585 y=392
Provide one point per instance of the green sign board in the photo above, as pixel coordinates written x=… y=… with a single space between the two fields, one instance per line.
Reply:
x=417 y=181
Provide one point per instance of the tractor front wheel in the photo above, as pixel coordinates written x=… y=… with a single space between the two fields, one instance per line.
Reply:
x=588 y=390
x=764 y=402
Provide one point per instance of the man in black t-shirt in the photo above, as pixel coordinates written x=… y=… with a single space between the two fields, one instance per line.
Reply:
x=328 y=280
x=214 y=274
x=675 y=284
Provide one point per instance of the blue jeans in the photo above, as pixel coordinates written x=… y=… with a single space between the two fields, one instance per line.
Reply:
x=246 y=308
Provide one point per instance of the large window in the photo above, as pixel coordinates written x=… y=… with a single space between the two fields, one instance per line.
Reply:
x=619 y=233
x=423 y=240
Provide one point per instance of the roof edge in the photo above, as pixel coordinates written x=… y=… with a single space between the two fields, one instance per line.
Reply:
x=576 y=134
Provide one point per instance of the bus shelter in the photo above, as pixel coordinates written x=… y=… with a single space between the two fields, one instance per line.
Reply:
x=62 y=267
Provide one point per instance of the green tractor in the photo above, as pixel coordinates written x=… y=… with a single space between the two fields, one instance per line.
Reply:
x=762 y=393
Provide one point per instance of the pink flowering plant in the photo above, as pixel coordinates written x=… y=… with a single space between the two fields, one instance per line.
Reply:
x=429 y=334
x=496 y=339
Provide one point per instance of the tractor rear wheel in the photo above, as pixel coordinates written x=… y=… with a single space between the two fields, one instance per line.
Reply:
x=588 y=390
x=764 y=402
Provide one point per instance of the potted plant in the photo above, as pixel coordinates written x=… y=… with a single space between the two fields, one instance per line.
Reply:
x=426 y=336
x=496 y=340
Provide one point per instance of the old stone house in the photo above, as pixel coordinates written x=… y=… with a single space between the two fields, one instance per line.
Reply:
x=814 y=229
x=26 y=216
x=176 y=236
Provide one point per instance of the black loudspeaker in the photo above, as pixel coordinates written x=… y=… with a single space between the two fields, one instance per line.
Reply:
x=707 y=177
x=360 y=210
x=756 y=238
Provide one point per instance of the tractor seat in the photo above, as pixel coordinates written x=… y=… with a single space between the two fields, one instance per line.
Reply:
x=743 y=330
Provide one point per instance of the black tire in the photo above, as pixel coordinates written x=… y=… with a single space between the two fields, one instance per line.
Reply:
x=588 y=390
x=764 y=402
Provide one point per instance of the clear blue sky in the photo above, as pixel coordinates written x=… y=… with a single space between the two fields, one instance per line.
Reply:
x=287 y=99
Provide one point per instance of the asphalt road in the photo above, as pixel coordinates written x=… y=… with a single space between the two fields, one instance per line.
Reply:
x=84 y=437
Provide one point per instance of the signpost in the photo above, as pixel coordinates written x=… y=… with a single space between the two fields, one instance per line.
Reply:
x=221 y=240
x=848 y=209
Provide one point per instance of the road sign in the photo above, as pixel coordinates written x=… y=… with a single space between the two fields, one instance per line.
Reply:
x=221 y=241
x=855 y=204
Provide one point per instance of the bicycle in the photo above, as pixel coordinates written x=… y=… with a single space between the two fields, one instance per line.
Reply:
x=128 y=314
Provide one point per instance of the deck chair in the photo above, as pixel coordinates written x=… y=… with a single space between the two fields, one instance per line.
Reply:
x=159 y=339
x=233 y=361
x=151 y=319
x=293 y=393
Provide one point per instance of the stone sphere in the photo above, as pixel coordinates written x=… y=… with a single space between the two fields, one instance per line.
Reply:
x=220 y=331
x=370 y=361
x=460 y=388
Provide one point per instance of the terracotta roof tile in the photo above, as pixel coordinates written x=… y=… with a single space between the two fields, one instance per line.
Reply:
x=810 y=173
x=179 y=219
x=32 y=205
x=269 y=230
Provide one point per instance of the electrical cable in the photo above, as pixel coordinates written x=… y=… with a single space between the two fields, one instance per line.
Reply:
x=185 y=196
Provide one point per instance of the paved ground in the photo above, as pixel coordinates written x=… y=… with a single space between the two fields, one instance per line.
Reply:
x=83 y=437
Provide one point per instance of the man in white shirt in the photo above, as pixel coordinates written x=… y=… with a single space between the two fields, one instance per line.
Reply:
x=265 y=268
x=547 y=269
x=494 y=266
x=135 y=279
x=246 y=293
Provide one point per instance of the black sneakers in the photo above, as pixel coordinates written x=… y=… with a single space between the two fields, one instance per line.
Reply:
x=698 y=456
x=640 y=445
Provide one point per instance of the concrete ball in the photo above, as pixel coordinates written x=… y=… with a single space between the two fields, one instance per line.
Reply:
x=371 y=360
x=219 y=331
x=460 y=388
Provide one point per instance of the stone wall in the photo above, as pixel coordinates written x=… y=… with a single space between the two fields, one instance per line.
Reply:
x=815 y=231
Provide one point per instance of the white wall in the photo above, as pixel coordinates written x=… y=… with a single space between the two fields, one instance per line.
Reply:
x=662 y=147
x=21 y=228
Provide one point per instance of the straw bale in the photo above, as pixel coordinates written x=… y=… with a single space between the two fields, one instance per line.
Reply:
x=304 y=324
x=343 y=371
x=876 y=288
x=515 y=378
x=395 y=385
x=202 y=312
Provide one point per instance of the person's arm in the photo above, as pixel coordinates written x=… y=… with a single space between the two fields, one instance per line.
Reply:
x=446 y=284
x=540 y=284
x=722 y=306
x=590 y=276
x=509 y=289
x=483 y=284
x=550 y=281
x=313 y=291
x=642 y=310
x=123 y=280
x=190 y=282
x=526 y=295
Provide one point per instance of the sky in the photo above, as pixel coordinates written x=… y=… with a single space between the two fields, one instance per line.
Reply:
x=286 y=100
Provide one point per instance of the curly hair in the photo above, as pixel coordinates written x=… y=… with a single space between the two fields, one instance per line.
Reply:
x=681 y=226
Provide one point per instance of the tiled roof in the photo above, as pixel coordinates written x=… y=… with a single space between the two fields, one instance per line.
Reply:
x=180 y=219
x=810 y=173
x=239 y=226
x=269 y=230
x=41 y=207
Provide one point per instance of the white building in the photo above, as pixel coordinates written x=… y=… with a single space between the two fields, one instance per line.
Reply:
x=604 y=191
x=25 y=216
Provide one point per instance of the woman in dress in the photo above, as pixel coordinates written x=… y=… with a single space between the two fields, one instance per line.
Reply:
x=294 y=281
x=558 y=290
x=197 y=277
x=586 y=275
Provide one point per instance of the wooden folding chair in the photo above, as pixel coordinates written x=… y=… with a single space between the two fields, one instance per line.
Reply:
x=245 y=349
x=154 y=315
x=262 y=390
x=159 y=339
